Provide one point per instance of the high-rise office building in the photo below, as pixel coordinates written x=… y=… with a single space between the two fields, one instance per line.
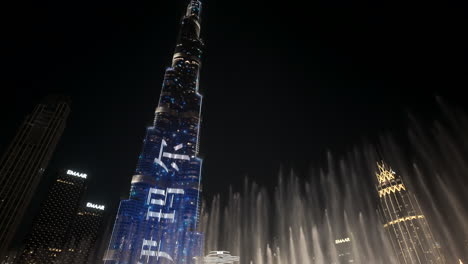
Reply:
x=465 y=257
x=25 y=160
x=344 y=250
x=158 y=223
x=404 y=221
x=51 y=227
x=85 y=232
x=9 y=257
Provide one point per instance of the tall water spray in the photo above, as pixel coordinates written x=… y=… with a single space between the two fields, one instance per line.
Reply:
x=302 y=220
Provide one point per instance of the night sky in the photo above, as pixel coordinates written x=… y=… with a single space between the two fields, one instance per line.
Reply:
x=284 y=81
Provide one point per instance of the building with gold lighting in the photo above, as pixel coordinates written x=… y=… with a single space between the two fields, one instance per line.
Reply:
x=404 y=222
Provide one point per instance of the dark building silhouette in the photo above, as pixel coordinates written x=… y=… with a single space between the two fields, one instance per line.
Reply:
x=404 y=222
x=344 y=250
x=85 y=234
x=105 y=235
x=10 y=257
x=466 y=250
x=51 y=227
x=25 y=160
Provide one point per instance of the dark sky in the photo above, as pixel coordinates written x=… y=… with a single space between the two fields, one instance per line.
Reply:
x=284 y=81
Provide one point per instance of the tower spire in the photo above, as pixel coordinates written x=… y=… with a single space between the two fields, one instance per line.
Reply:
x=189 y=44
x=194 y=9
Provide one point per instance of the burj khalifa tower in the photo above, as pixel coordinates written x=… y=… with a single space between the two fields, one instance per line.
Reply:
x=158 y=223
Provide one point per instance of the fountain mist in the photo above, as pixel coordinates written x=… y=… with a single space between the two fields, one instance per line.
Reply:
x=301 y=220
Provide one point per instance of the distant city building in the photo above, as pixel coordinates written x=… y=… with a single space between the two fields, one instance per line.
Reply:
x=465 y=257
x=105 y=235
x=344 y=250
x=85 y=232
x=220 y=257
x=159 y=222
x=404 y=221
x=25 y=160
x=9 y=257
x=51 y=227
x=466 y=246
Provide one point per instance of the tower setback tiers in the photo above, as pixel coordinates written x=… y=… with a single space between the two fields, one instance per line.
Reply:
x=158 y=223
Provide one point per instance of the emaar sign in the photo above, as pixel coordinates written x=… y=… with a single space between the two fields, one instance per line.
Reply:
x=343 y=240
x=95 y=206
x=77 y=174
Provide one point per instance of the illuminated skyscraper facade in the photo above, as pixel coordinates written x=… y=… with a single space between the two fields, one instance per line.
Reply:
x=51 y=227
x=81 y=246
x=25 y=160
x=158 y=223
x=404 y=221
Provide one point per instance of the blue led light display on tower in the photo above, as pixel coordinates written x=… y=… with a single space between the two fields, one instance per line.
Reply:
x=158 y=223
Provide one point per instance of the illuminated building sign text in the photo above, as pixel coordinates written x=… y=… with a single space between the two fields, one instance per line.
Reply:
x=343 y=240
x=95 y=206
x=77 y=174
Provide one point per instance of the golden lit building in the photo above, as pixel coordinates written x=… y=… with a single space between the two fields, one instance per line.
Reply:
x=404 y=221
